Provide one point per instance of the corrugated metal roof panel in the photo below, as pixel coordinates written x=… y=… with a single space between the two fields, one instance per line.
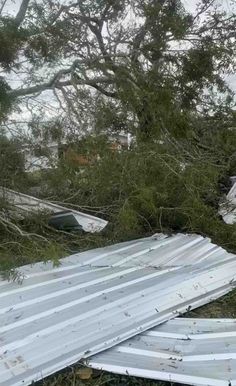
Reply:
x=27 y=203
x=58 y=316
x=193 y=351
x=156 y=251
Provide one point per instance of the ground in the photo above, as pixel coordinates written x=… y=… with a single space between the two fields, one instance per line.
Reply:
x=69 y=378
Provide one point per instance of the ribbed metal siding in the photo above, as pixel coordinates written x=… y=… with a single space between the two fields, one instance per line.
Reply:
x=192 y=351
x=58 y=316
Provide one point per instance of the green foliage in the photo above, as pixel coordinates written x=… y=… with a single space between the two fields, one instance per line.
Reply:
x=127 y=223
x=161 y=81
x=26 y=240
x=173 y=100
x=48 y=47
x=11 y=40
x=5 y=101
x=165 y=17
x=11 y=163
x=152 y=188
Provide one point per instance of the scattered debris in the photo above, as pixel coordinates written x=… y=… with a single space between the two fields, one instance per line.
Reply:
x=62 y=218
x=72 y=312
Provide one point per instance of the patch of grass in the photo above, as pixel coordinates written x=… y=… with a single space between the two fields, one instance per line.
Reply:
x=99 y=378
x=224 y=307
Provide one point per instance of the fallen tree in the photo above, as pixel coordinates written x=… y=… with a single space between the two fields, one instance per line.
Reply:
x=149 y=68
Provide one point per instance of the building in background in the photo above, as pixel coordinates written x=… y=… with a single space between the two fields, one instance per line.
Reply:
x=45 y=156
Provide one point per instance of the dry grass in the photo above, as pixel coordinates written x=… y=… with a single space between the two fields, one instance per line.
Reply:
x=70 y=377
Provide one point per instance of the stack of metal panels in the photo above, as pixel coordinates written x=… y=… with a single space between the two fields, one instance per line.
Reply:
x=98 y=299
x=192 y=351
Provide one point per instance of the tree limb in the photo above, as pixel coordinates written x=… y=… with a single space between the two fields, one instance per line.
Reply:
x=55 y=83
x=2 y=6
x=21 y=13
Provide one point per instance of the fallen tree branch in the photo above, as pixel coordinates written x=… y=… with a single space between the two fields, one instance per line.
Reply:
x=6 y=223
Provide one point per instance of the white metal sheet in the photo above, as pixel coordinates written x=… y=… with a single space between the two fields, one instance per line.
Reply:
x=193 y=351
x=228 y=208
x=27 y=203
x=59 y=315
x=156 y=251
